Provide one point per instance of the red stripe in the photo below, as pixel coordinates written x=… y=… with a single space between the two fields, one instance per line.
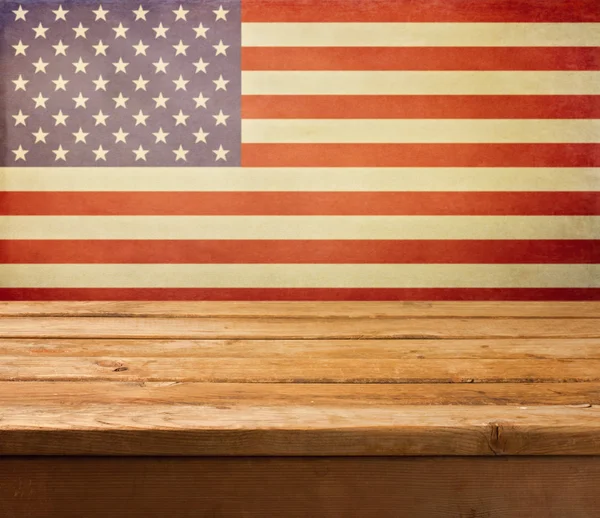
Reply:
x=420 y=11
x=421 y=106
x=299 y=203
x=301 y=251
x=483 y=294
x=421 y=155
x=420 y=58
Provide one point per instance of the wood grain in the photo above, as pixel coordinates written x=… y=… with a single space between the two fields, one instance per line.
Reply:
x=378 y=487
x=305 y=370
x=272 y=327
x=192 y=430
x=321 y=310
x=492 y=348
x=147 y=393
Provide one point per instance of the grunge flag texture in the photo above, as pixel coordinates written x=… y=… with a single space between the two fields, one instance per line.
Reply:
x=300 y=150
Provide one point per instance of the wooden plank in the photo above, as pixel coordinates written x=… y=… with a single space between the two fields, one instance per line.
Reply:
x=502 y=348
x=296 y=394
x=295 y=310
x=111 y=327
x=308 y=370
x=371 y=487
x=195 y=430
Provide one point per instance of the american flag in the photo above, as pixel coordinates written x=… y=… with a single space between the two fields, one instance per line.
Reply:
x=300 y=150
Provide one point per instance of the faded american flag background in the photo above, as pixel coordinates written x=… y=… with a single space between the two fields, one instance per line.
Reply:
x=300 y=150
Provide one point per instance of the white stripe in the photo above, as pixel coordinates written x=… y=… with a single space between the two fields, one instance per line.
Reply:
x=299 y=276
x=334 y=179
x=299 y=227
x=420 y=34
x=420 y=83
x=434 y=131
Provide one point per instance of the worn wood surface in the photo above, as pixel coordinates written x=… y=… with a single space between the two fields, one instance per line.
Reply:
x=198 y=379
x=441 y=487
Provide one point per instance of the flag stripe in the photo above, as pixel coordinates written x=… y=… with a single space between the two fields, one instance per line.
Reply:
x=309 y=294
x=315 y=179
x=420 y=107
x=443 y=131
x=301 y=251
x=420 y=83
x=421 y=58
x=299 y=203
x=299 y=227
x=420 y=34
x=421 y=155
x=299 y=276
x=420 y=11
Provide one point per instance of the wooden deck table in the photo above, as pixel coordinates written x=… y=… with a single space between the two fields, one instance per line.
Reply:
x=129 y=409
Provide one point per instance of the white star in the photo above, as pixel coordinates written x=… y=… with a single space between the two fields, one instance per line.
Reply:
x=80 y=101
x=60 y=48
x=221 y=118
x=201 y=31
x=80 y=66
x=80 y=31
x=60 y=83
x=201 y=66
x=40 y=136
x=20 y=118
x=100 y=83
x=180 y=118
x=221 y=48
x=180 y=83
x=20 y=48
x=120 y=66
x=140 y=118
x=120 y=136
x=40 y=31
x=180 y=13
x=180 y=153
x=161 y=32
x=60 y=119
x=61 y=154
x=120 y=101
x=140 y=83
x=220 y=14
x=80 y=136
x=140 y=48
x=20 y=153
x=161 y=66
x=161 y=136
x=100 y=13
x=160 y=101
x=120 y=31
x=100 y=118
x=100 y=153
x=60 y=14
x=20 y=83
x=100 y=48
x=180 y=48
x=40 y=101
x=140 y=153
x=220 y=84
x=40 y=66
x=221 y=154
x=200 y=100
x=20 y=14
x=201 y=136
x=140 y=14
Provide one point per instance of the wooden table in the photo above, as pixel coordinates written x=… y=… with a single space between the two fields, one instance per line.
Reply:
x=299 y=409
